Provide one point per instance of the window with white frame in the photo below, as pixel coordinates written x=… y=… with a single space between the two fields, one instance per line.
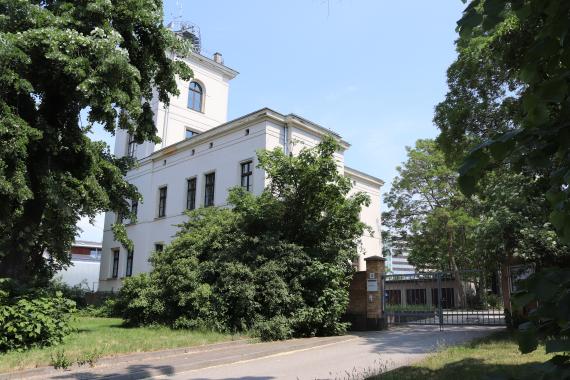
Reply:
x=195 y=96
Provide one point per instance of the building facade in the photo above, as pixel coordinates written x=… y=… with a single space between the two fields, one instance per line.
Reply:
x=85 y=265
x=202 y=156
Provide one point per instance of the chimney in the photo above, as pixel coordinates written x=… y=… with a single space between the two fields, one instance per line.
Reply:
x=218 y=58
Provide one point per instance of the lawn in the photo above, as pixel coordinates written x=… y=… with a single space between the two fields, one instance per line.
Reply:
x=95 y=337
x=496 y=356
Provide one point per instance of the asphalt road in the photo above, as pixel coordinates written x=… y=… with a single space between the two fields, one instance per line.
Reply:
x=346 y=357
x=351 y=358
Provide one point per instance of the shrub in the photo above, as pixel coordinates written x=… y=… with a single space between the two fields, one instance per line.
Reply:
x=278 y=263
x=107 y=309
x=75 y=293
x=277 y=328
x=34 y=321
x=137 y=302
x=59 y=359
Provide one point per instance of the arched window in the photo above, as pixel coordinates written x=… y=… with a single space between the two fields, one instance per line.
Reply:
x=195 y=94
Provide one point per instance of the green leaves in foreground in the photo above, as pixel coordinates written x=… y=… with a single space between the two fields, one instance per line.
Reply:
x=34 y=321
x=548 y=293
x=526 y=38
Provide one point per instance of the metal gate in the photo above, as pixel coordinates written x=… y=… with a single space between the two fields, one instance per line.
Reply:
x=443 y=298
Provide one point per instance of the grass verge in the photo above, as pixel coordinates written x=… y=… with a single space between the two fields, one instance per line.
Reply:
x=98 y=337
x=495 y=356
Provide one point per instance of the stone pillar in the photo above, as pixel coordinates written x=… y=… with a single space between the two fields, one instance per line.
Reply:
x=375 y=267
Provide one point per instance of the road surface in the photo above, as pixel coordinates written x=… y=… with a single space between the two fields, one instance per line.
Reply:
x=346 y=357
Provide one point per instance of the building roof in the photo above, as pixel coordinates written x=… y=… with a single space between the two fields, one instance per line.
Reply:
x=359 y=174
x=231 y=73
x=87 y=243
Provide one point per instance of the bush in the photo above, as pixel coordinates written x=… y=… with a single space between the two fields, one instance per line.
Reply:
x=75 y=293
x=107 y=309
x=277 y=264
x=34 y=321
x=277 y=328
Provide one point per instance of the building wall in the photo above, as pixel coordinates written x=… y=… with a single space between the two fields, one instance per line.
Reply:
x=172 y=121
x=81 y=271
x=224 y=157
x=371 y=242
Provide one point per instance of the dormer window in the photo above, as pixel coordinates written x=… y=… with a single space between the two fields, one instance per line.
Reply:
x=195 y=94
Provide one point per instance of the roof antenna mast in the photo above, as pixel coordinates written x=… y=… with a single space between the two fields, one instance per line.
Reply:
x=185 y=29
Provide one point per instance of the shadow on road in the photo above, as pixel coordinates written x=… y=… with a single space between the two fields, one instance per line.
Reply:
x=135 y=371
x=421 y=339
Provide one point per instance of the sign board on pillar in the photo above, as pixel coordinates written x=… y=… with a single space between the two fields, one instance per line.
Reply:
x=372 y=285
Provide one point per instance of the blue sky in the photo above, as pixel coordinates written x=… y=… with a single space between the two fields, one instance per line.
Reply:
x=371 y=70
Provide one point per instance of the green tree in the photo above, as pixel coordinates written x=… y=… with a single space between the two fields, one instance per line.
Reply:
x=525 y=39
x=59 y=58
x=428 y=214
x=509 y=95
x=280 y=263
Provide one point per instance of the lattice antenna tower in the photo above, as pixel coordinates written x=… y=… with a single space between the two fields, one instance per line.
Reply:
x=185 y=29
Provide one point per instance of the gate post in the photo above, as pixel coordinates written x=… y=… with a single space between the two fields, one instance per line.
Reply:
x=375 y=267
x=439 y=306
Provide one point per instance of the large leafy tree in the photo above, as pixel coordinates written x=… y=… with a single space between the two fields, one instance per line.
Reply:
x=59 y=58
x=509 y=99
x=280 y=263
x=526 y=41
x=428 y=214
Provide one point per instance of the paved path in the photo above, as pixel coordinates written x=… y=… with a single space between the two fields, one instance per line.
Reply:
x=314 y=358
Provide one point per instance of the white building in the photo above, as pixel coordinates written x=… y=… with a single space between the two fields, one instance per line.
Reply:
x=201 y=156
x=397 y=263
x=85 y=265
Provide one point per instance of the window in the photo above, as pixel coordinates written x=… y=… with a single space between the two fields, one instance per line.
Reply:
x=95 y=253
x=191 y=194
x=447 y=297
x=129 y=270
x=162 y=201
x=415 y=296
x=158 y=247
x=209 y=193
x=115 y=270
x=195 y=97
x=246 y=175
x=394 y=297
x=190 y=133
x=131 y=146
x=134 y=210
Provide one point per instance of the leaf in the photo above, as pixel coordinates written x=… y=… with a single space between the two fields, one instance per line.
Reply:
x=553 y=90
x=470 y=20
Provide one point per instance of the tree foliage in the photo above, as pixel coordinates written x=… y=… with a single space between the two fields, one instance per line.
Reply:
x=509 y=103
x=59 y=58
x=526 y=40
x=428 y=214
x=279 y=263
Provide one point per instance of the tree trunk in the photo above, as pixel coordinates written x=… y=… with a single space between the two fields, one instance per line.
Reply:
x=455 y=269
